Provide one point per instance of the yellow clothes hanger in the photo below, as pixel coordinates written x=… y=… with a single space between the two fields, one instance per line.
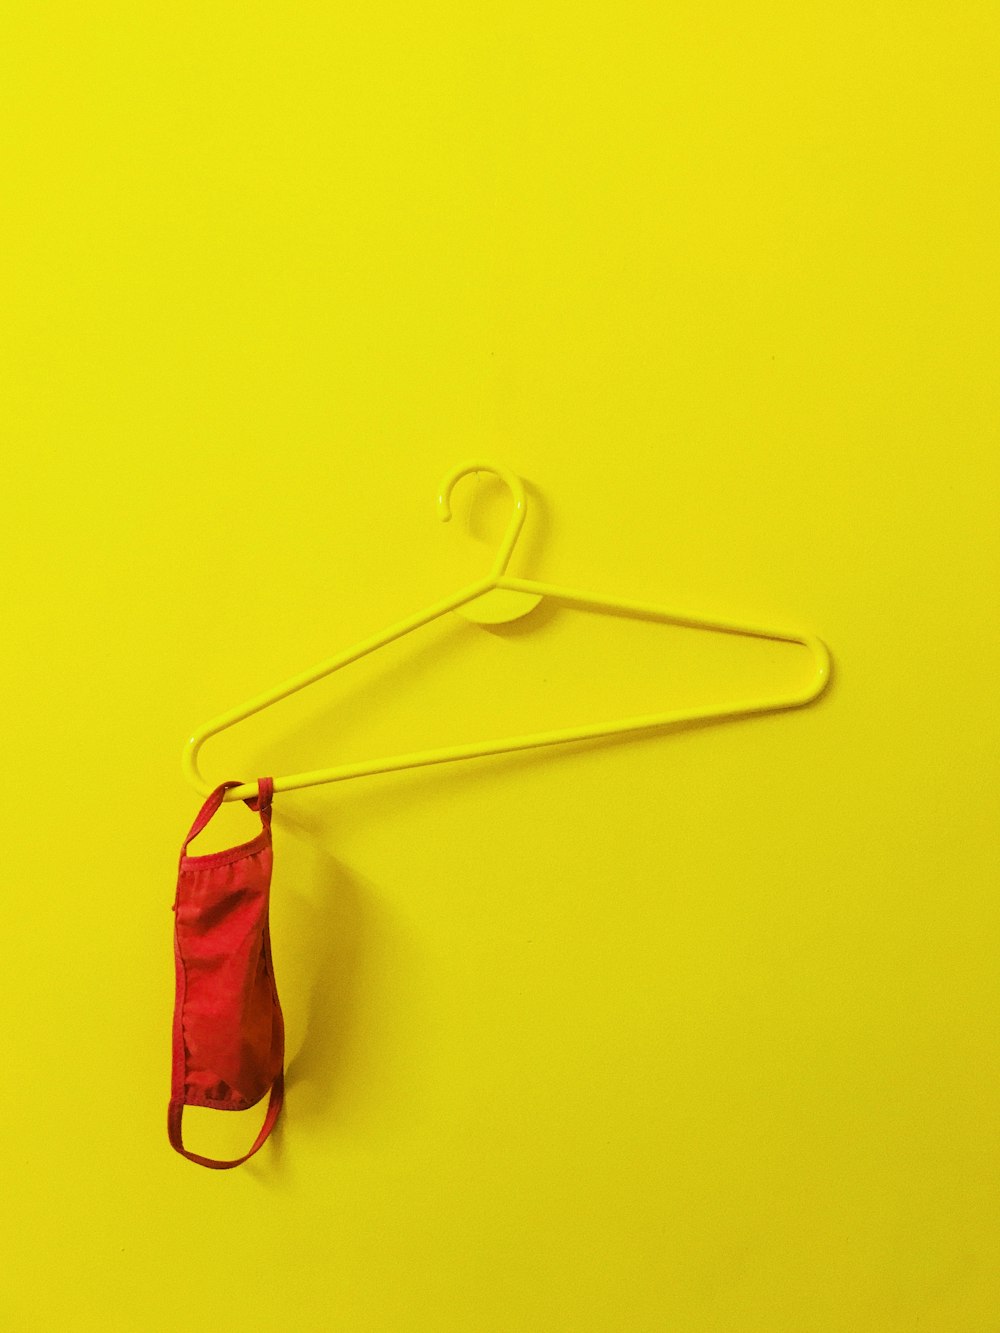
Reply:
x=496 y=599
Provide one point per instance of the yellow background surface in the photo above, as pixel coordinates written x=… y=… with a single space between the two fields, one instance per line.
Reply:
x=693 y=1032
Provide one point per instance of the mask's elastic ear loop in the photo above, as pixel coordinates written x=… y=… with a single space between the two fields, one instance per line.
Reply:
x=262 y=801
x=207 y=811
x=175 y=1114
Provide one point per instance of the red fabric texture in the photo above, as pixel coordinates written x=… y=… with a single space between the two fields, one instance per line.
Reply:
x=229 y=1038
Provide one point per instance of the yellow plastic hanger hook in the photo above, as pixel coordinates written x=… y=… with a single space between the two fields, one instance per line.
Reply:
x=516 y=488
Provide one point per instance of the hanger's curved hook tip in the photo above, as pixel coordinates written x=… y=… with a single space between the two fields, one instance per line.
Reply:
x=513 y=484
x=510 y=479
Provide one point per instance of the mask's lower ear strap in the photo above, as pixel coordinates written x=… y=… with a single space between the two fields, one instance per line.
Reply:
x=175 y=1113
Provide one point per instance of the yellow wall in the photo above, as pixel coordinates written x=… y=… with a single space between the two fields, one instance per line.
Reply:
x=696 y=1032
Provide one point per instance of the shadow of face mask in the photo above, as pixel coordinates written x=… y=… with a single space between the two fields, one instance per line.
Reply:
x=229 y=1039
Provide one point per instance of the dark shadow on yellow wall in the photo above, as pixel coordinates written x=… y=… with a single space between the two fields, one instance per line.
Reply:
x=321 y=927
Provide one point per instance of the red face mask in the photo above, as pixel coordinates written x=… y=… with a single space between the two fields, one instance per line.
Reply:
x=229 y=1038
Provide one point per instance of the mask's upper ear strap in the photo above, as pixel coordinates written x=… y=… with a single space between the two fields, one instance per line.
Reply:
x=261 y=802
x=207 y=811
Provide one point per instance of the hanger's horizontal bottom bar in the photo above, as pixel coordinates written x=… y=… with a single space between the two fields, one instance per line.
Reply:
x=511 y=744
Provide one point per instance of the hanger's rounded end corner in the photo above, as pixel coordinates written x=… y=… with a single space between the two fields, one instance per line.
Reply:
x=824 y=667
x=189 y=765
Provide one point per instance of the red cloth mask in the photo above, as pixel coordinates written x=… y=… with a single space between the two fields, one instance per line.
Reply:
x=229 y=1038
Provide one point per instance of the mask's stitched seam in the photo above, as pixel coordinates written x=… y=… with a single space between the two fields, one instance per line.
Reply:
x=184 y=1040
x=243 y=1105
x=229 y=854
x=181 y=1092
